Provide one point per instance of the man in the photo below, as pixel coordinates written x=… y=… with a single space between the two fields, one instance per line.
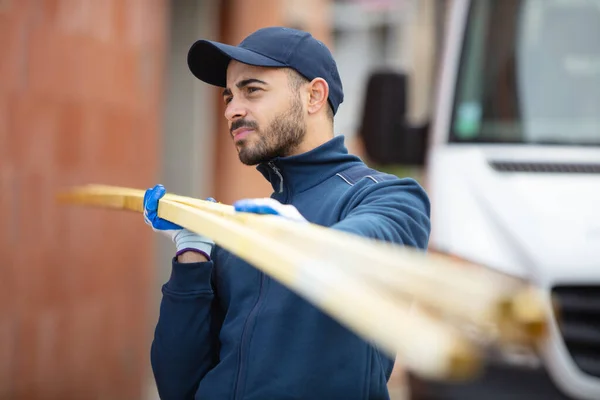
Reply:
x=226 y=330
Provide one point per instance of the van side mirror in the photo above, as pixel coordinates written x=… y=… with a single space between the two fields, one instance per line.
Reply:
x=387 y=137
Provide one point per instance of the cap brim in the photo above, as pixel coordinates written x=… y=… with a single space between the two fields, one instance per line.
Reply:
x=208 y=60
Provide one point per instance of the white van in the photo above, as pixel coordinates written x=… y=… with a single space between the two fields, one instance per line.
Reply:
x=512 y=167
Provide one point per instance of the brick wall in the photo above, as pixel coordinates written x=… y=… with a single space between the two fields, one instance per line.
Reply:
x=80 y=101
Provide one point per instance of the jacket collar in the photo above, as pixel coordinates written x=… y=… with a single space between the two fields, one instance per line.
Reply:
x=298 y=173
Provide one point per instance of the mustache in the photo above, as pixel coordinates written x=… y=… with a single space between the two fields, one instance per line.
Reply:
x=242 y=123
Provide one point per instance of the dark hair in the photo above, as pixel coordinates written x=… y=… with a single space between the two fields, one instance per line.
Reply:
x=296 y=80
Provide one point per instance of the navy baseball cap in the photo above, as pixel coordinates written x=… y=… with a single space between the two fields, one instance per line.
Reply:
x=269 y=47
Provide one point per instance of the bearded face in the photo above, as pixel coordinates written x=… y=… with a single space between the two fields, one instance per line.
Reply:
x=278 y=138
x=265 y=112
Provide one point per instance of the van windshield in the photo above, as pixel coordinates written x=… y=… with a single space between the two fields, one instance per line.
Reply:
x=529 y=73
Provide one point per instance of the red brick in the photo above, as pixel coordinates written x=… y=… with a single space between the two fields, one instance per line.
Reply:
x=38 y=279
x=55 y=62
x=85 y=329
x=47 y=11
x=119 y=18
x=117 y=144
x=135 y=23
x=35 y=123
x=24 y=348
x=14 y=18
x=95 y=60
x=5 y=153
x=50 y=327
x=99 y=22
x=16 y=9
x=16 y=114
x=8 y=355
x=8 y=220
x=69 y=136
x=85 y=243
x=125 y=78
x=128 y=315
x=11 y=33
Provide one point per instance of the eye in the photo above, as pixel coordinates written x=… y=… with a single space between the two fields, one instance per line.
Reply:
x=228 y=99
x=252 y=89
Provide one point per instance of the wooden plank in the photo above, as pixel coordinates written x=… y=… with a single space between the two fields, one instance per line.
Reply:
x=507 y=308
x=365 y=284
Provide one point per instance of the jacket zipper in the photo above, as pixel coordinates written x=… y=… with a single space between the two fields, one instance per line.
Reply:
x=276 y=170
x=240 y=386
x=243 y=345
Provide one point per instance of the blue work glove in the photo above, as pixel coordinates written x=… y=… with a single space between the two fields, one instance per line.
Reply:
x=269 y=206
x=184 y=239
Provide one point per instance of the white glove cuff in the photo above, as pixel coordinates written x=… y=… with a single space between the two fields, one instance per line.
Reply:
x=186 y=240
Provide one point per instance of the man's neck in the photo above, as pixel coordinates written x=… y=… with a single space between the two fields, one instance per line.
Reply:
x=316 y=135
x=311 y=143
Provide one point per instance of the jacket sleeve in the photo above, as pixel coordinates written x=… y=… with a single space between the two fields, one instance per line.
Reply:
x=185 y=345
x=395 y=210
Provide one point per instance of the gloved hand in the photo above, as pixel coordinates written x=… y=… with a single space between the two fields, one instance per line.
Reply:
x=269 y=206
x=184 y=239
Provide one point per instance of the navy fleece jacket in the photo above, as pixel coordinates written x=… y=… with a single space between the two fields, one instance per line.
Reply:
x=226 y=331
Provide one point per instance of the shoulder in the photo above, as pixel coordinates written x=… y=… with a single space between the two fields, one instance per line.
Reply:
x=356 y=173
x=368 y=185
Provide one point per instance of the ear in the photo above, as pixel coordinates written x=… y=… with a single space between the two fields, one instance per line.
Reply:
x=318 y=92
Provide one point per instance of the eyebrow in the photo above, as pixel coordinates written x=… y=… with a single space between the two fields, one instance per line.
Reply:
x=241 y=84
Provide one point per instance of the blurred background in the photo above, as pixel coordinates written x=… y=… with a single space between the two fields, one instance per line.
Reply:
x=98 y=91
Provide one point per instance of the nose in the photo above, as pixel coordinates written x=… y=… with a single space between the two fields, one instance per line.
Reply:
x=235 y=110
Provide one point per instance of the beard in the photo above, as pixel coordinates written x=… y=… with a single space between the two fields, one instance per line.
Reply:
x=279 y=139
